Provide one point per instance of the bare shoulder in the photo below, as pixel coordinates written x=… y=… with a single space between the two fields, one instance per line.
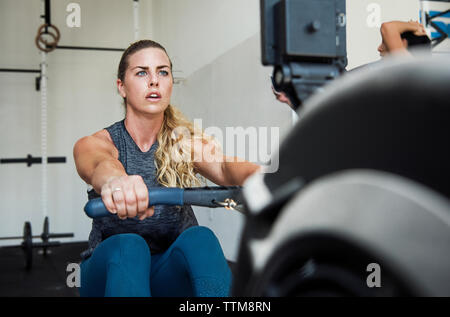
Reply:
x=103 y=135
x=99 y=141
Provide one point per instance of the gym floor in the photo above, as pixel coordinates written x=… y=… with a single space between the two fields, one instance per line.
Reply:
x=46 y=278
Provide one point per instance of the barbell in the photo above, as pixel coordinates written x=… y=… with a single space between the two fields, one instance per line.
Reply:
x=28 y=245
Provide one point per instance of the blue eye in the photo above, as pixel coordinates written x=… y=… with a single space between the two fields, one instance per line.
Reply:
x=164 y=72
x=142 y=73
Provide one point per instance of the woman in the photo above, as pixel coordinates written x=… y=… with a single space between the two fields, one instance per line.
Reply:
x=399 y=37
x=157 y=251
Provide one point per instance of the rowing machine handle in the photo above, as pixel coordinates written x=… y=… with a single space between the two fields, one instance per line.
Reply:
x=199 y=196
x=95 y=208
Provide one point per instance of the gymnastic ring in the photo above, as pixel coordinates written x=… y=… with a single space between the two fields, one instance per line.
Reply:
x=48 y=47
x=40 y=32
x=49 y=26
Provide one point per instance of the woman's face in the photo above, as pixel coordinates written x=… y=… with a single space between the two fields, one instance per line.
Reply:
x=148 y=82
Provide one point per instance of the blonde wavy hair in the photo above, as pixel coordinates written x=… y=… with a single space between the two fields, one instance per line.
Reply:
x=174 y=156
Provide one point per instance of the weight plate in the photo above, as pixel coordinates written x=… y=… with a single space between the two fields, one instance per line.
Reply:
x=27 y=245
x=45 y=235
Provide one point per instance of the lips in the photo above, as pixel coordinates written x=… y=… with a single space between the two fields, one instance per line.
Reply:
x=153 y=95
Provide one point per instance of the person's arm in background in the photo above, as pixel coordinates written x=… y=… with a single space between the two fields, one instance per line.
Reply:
x=391 y=35
x=96 y=160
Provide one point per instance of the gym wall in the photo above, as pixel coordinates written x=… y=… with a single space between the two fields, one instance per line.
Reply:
x=215 y=48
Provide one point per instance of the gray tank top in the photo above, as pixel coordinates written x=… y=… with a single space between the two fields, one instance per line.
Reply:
x=167 y=223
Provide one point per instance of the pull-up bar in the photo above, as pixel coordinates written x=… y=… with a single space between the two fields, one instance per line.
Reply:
x=90 y=48
x=14 y=70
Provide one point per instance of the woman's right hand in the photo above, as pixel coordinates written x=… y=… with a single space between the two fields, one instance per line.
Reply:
x=127 y=196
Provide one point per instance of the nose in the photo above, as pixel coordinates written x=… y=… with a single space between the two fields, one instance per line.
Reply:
x=153 y=81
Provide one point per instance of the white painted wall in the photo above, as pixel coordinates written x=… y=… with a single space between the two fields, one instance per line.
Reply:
x=196 y=32
x=215 y=48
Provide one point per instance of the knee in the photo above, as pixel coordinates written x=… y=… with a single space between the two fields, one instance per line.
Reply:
x=199 y=242
x=129 y=247
x=200 y=236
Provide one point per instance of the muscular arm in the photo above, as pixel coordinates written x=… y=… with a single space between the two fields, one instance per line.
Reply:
x=223 y=170
x=96 y=160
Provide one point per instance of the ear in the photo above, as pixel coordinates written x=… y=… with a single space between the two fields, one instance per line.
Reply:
x=121 y=88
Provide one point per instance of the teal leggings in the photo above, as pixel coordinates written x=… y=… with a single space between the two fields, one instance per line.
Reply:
x=194 y=265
